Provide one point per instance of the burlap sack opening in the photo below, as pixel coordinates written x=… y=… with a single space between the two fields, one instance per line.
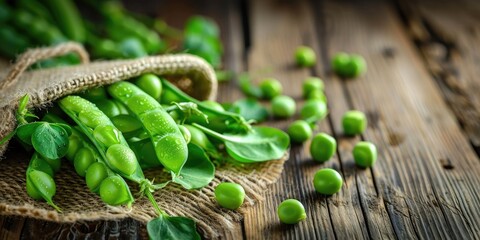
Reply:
x=191 y=73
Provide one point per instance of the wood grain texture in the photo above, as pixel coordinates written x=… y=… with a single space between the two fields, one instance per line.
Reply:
x=447 y=34
x=421 y=69
x=409 y=123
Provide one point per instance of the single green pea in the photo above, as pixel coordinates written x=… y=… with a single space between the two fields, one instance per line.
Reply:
x=305 y=56
x=229 y=195
x=122 y=159
x=340 y=64
x=186 y=134
x=95 y=94
x=114 y=191
x=327 y=181
x=108 y=107
x=312 y=84
x=271 y=88
x=95 y=174
x=291 y=211
x=354 y=122
x=323 y=147
x=107 y=135
x=82 y=161
x=365 y=154
x=150 y=84
x=214 y=105
x=283 y=106
x=313 y=110
x=299 y=131
x=74 y=144
x=356 y=66
x=126 y=123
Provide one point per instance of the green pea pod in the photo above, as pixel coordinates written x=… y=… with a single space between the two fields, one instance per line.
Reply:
x=220 y=121
x=68 y=18
x=170 y=145
x=40 y=185
x=37 y=28
x=94 y=124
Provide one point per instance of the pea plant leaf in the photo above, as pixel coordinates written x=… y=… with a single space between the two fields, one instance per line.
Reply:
x=250 y=109
x=50 y=140
x=25 y=132
x=258 y=145
x=172 y=228
x=197 y=172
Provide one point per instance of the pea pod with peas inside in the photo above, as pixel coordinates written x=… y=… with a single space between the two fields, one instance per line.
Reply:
x=168 y=141
x=88 y=163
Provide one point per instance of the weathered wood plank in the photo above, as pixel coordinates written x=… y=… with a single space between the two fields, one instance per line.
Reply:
x=447 y=34
x=410 y=124
x=278 y=27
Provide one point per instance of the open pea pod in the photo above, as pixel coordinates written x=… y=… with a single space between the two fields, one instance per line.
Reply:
x=40 y=185
x=106 y=138
x=168 y=141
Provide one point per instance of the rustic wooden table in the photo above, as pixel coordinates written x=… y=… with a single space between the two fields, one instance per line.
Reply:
x=421 y=95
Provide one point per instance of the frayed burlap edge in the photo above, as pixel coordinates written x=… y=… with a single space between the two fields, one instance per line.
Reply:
x=77 y=202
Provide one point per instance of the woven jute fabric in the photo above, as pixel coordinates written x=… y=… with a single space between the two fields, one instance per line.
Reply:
x=190 y=73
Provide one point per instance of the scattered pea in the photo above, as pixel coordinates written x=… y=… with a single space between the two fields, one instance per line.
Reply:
x=357 y=66
x=291 y=211
x=229 y=195
x=318 y=95
x=313 y=109
x=305 y=56
x=271 y=88
x=150 y=84
x=327 y=181
x=283 y=106
x=365 y=154
x=340 y=62
x=354 y=122
x=299 y=131
x=323 y=147
x=312 y=84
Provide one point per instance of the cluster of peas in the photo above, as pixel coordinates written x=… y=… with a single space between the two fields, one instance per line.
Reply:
x=323 y=146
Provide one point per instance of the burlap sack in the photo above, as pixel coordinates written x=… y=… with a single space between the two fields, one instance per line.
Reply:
x=76 y=201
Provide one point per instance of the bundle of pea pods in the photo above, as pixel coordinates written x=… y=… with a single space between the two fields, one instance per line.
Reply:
x=111 y=134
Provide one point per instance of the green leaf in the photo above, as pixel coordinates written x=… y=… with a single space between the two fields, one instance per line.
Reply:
x=172 y=228
x=197 y=172
x=24 y=132
x=258 y=145
x=50 y=140
x=250 y=109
